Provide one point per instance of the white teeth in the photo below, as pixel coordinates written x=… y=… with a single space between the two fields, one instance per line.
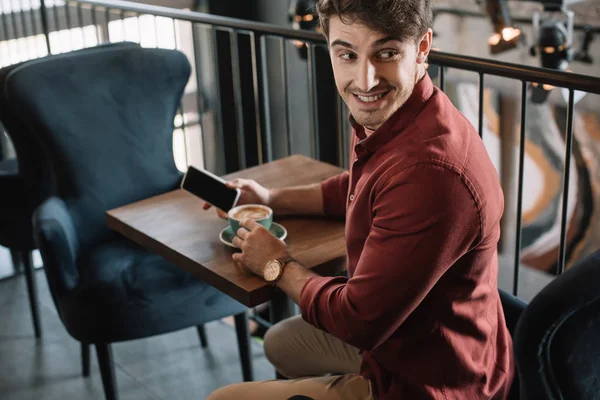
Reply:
x=370 y=99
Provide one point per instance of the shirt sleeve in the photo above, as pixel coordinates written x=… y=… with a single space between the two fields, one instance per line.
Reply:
x=335 y=191
x=424 y=219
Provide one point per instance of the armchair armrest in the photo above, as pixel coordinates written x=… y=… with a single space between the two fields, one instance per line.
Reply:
x=55 y=236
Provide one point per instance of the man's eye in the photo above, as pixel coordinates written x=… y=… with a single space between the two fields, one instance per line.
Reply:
x=347 y=56
x=387 y=54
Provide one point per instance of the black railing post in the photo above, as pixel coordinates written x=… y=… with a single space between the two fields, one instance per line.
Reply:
x=522 y=142
x=312 y=98
x=566 y=180
x=481 y=99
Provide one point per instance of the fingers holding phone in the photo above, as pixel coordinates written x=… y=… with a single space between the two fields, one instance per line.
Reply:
x=212 y=189
x=251 y=192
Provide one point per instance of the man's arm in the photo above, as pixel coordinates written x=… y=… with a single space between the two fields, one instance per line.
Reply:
x=299 y=200
x=325 y=198
x=409 y=248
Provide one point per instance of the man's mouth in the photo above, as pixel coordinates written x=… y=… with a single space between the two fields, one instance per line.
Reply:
x=372 y=98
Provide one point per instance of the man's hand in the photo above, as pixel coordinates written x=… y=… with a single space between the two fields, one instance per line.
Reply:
x=258 y=246
x=251 y=193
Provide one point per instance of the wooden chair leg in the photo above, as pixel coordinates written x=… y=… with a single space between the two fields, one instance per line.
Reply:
x=27 y=259
x=107 y=370
x=85 y=359
x=202 y=335
x=243 y=338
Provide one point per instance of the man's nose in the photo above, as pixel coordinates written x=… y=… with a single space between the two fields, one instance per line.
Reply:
x=367 y=77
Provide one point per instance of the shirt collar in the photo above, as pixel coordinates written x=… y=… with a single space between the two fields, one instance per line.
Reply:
x=397 y=122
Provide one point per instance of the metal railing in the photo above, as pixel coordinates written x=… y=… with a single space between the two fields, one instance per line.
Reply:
x=244 y=121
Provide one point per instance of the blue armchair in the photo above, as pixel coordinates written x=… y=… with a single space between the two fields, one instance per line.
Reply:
x=104 y=120
x=557 y=339
x=24 y=184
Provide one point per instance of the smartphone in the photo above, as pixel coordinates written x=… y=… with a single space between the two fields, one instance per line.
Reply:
x=210 y=188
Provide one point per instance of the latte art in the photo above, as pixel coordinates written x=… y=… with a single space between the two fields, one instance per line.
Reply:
x=254 y=213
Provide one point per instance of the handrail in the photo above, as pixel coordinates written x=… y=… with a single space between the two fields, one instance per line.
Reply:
x=586 y=83
x=203 y=18
x=515 y=20
x=539 y=75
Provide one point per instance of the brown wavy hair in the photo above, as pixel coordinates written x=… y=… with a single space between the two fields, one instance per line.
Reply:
x=404 y=20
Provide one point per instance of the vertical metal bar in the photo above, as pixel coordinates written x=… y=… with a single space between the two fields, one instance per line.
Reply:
x=566 y=179
x=25 y=29
x=123 y=33
x=266 y=102
x=28 y=28
x=56 y=19
x=107 y=21
x=95 y=23
x=442 y=78
x=199 y=98
x=34 y=26
x=80 y=23
x=237 y=93
x=184 y=131
x=481 y=94
x=68 y=15
x=256 y=98
x=14 y=21
x=79 y=15
x=520 y=186
x=15 y=31
x=139 y=25
x=5 y=37
x=218 y=110
x=312 y=95
x=6 y=33
x=286 y=101
x=68 y=21
x=340 y=131
x=345 y=126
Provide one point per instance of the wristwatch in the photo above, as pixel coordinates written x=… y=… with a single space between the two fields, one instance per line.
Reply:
x=274 y=269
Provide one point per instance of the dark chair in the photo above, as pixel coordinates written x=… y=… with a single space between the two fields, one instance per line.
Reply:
x=24 y=184
x=15 y=228
x=103 y=120
x=557 y=340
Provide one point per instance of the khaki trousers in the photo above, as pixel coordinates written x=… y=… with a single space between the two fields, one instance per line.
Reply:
x=305 y=354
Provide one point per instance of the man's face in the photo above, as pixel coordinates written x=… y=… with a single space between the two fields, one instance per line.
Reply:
x=374 y=73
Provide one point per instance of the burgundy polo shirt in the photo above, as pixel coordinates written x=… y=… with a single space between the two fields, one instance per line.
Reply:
x=422 y=203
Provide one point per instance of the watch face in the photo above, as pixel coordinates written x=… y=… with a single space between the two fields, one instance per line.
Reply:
x=272 y=271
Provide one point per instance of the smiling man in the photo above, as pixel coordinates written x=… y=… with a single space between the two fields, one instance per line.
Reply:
x=419 y=316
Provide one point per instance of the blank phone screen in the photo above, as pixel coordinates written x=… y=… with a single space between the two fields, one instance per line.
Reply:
x=209 y=188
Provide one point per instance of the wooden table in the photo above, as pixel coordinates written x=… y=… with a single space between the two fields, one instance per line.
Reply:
x=175 y=226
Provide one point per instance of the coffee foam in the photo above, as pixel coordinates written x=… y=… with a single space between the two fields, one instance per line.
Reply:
x=254 y=213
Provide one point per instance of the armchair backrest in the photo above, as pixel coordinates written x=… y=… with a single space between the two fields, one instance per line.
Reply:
x=34 y=168
x=557 y=340
x=104 y=121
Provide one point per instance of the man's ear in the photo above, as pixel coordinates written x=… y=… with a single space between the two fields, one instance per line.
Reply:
x=424 y=46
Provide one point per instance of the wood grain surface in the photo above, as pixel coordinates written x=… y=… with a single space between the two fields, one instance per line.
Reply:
x=175 y=226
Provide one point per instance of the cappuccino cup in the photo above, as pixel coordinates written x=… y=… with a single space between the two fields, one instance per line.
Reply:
x=257 y=212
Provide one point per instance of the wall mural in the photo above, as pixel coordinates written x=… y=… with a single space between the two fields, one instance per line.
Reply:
x=543 y=175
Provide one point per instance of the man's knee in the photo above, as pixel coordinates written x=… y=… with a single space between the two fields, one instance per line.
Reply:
x=279 y=345
x=220 y=394
x=275 y=343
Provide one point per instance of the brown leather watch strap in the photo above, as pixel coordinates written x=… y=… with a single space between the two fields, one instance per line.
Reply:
x=283 y=261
